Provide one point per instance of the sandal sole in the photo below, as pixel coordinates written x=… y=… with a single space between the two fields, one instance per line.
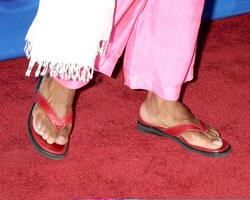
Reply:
x=149 y=130
x=31 y=138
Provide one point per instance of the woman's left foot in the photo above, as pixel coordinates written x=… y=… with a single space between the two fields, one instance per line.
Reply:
x=161 y=113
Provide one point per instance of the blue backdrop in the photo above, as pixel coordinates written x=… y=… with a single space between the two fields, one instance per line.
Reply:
x=17 y=15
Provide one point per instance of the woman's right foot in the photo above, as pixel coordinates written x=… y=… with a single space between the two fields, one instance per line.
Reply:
x=61 y=100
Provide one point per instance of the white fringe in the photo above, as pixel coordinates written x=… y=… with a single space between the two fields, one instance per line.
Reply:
x=67 y=71
x=56 y=42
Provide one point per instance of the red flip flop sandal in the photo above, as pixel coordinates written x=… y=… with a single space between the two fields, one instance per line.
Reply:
x=52 y=151
x=175 y=132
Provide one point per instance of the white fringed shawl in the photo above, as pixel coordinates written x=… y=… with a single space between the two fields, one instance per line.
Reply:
x=67 y=35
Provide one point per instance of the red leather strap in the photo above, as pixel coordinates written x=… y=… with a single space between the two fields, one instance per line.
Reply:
x=203 y=126
x=182 y=128
x=67 y=119
x=176 y=131
x=58 y=123
x=179 y=129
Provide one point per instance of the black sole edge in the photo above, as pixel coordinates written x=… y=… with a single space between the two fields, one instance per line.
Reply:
x=149 y=130
x=37 y=147
x=39 y=81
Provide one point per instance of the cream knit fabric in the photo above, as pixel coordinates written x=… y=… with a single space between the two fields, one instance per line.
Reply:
x=67 y=35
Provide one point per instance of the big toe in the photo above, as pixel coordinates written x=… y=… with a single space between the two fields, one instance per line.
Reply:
x=62 y=137
x=215 y=132
x=37 y=124
x=51 y=139
x=211 y=143
x=206 y=141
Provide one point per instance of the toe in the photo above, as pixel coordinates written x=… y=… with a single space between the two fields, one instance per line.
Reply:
x=203 y=140
x=42 y=129
x=217 y=143
x=215 y=132
x=36 y=123
x=62 y=137
x=51 y=137
x=45 y=136
x=209 y=142
x=50 y=140
x=212 y=135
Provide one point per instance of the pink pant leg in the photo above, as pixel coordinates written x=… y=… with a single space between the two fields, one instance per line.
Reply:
x=70 y=84
x=161 y=39
x=161 y=49
x=126 y=13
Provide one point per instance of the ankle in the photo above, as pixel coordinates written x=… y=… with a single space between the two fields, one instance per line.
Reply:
x=151 y=108
x=53 y=85
x=158 y=111
x=56 y=93
x=157 y=103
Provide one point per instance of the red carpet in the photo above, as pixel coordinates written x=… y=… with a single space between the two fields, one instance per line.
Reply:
x=109 y=158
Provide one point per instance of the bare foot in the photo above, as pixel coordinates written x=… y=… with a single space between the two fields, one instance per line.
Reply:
x=159 y=112
x=60 y=99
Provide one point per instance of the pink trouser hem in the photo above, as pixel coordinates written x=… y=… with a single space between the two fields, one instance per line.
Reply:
x=160 y=39
x=171 y=94
x=74 y=85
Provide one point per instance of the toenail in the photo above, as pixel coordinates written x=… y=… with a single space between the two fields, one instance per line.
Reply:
x=45 y=136
x=217 y=142
x=50 y=142
x=38 y=125
x=40 y=132
x=61 y=140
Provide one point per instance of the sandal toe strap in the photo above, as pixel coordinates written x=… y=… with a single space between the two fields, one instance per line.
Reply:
x=180 y=129
x=58 y=123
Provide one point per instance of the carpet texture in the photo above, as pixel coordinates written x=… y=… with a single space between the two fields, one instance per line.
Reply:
x=109 y=158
